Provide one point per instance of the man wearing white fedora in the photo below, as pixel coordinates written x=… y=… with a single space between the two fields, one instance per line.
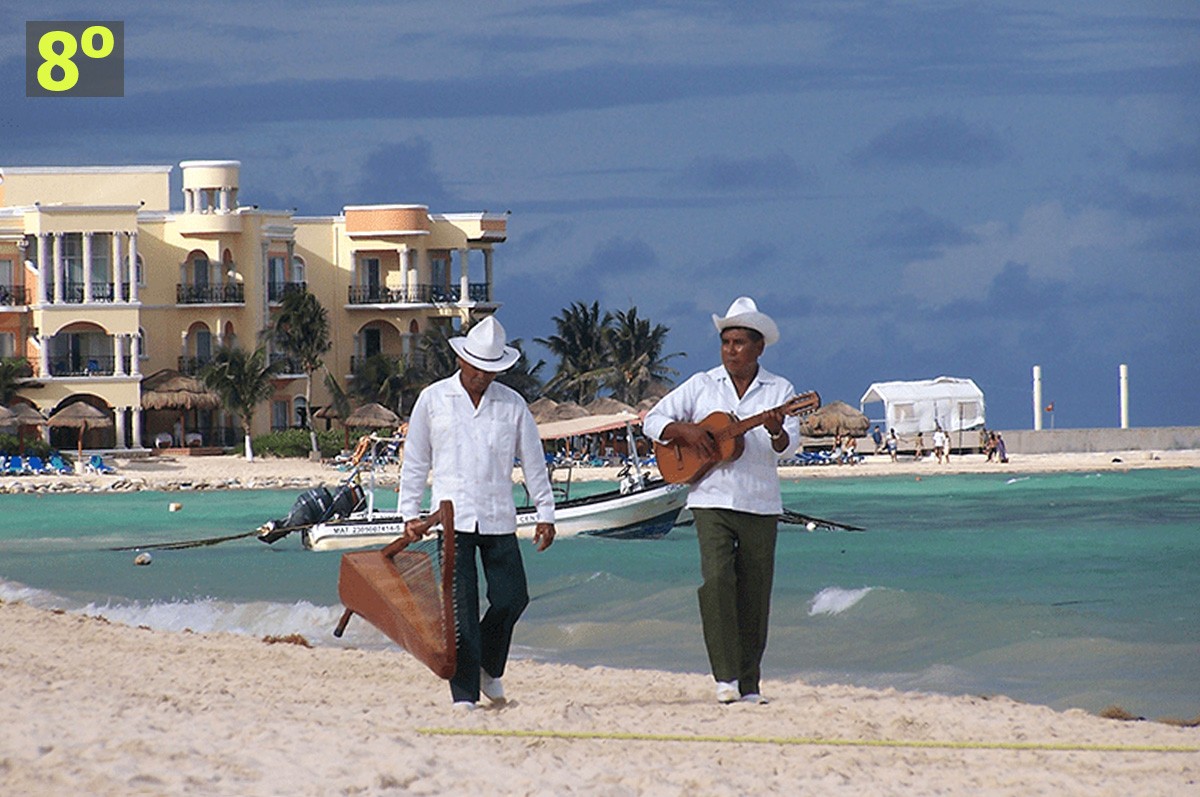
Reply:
x=467 y=429
x=736 y=504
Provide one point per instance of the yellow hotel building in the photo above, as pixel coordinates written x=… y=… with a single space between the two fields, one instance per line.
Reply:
x=102 y=284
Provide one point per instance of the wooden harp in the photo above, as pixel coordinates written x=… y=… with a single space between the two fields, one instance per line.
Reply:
x=407 y=592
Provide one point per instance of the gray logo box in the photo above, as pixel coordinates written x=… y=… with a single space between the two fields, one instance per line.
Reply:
x=98 y=76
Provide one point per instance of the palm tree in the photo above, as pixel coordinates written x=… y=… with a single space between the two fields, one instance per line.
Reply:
x=301 y=331
x=243 y=381
x=581 y=347
x=14 y=371
x=522 y=377
x=636 y=362
x=387 y=381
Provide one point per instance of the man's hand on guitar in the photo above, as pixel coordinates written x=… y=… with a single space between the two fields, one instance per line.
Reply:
x=773 y=423
x=693 y=436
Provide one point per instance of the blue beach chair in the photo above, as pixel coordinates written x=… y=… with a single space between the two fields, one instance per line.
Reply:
x=96 y=464
x=35 y=466
x=59 y=465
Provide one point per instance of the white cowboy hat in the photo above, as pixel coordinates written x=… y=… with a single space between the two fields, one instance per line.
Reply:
x=483 y=347
x=744 y=313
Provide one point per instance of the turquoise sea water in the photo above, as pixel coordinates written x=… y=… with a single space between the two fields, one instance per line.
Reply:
x=1071 y=590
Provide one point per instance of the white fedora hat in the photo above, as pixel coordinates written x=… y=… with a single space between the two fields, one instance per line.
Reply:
x=483 y=347
x=744 y=313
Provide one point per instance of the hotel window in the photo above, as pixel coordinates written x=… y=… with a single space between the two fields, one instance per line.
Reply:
x=8 y=344
x=297 y=269
x=6 y=274
x=279 y=415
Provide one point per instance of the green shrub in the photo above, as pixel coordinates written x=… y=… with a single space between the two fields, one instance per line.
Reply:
x=295 y=443
x=11 y=444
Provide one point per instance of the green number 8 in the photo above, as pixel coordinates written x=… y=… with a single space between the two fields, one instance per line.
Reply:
x=51 y=59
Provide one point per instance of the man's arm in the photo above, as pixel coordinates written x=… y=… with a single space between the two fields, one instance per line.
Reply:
x=537 y=479
x=418 y=458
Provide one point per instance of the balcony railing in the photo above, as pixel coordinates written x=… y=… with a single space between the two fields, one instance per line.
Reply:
x=277 y=290
x=286 y=365
x=210 y=294
x=93 y=365
x=14 y=295
x=73 y=292
x=421 y=294
x=191 y=366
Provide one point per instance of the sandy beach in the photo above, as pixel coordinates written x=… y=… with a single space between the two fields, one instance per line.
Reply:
x=93 y=707
x=234 y=472
x=103 y=709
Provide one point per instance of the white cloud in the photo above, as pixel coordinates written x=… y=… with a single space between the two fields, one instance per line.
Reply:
x=1053 y=242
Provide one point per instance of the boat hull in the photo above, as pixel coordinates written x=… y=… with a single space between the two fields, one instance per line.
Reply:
x=648 y=513
x=641 y=514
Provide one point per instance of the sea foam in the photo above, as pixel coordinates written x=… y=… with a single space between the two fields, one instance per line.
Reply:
x=835 y=600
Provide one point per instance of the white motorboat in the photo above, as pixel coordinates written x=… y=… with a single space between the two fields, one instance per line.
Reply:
x=641 y=507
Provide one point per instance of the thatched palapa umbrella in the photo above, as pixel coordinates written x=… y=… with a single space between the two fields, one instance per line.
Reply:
x=836 y=417
x=375 y=416
x=24 y=416
x=171 y=390
x=81 y=415
x=7 y=417
x=542 y=408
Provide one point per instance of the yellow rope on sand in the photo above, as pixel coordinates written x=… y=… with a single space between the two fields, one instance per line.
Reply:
x=809 y=741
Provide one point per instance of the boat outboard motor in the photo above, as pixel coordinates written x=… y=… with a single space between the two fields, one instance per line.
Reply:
x=311 y=507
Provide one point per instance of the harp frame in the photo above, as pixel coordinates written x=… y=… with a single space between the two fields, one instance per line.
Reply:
x=371 y=585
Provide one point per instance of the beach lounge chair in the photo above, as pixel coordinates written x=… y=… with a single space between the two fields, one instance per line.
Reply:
x=59 y=465
x=96 y=464
x=10 y=466
x=34 y=465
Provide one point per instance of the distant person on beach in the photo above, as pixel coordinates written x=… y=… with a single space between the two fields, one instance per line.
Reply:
x=736 y=504
x=467 y=429
x=892 y=444
x=989 y=447
x=877 y=437
x=939 y=445
x=1001 y=449
x=919 y=450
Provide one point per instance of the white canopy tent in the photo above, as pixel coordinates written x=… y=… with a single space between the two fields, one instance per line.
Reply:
x=921 y=405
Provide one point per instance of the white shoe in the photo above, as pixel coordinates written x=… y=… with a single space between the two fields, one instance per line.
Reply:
x=727 y=692
x=491 y=687
x=755 y=697
x=463 y=705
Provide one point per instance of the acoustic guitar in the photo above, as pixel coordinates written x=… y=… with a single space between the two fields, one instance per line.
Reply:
x=680 y=464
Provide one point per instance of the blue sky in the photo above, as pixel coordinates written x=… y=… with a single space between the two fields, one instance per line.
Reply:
x=911 y=189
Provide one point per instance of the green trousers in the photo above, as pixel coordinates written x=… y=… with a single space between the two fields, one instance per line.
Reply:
x=737 y=564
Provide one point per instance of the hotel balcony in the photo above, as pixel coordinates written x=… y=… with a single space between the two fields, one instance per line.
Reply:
x=422 y=294
x=14 y=296
x=286 y=365
x=210 y=294
x=277 y=290
x=191 y=366
x=92 y=365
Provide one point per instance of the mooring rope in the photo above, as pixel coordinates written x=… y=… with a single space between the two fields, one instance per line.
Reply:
x=810 y=741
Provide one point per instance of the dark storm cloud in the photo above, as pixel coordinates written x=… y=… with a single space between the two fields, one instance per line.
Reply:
x=935 y=140
x=915 y=233
x=1180 y=157
x=1012 y=295
x=777 y=172
x=403 y=172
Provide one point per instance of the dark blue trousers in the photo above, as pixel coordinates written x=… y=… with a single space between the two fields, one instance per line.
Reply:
x=485 y=642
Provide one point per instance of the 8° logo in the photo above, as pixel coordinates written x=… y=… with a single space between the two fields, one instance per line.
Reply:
x=74 y=59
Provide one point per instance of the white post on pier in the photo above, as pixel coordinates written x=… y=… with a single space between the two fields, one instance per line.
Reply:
x=1037 y=398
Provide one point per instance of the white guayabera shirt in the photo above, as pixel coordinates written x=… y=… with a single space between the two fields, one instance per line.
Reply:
x=470 y=451
x=751 y=482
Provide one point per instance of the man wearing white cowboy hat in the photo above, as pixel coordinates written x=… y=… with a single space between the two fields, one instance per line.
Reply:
x=736 y=504
x=467 y=429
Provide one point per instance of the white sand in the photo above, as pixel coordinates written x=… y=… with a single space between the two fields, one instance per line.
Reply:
x=89 y=707
x=234 y=472
x=94 y=708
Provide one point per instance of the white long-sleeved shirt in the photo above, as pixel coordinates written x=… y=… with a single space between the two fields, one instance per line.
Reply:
x=470 y=451
x=751 y=482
